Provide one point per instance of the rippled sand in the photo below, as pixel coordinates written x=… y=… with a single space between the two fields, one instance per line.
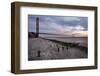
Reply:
x=45 y=49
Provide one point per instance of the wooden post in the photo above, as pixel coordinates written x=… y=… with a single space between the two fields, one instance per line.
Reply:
x=37 y=27
x=38 y=55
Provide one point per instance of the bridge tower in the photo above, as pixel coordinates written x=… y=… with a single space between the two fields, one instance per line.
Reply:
x=37 y=27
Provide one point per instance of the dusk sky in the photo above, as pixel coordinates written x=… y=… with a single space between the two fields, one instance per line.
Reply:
x=63 y=25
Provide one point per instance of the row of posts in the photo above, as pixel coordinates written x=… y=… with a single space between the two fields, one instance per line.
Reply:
x=58 y=50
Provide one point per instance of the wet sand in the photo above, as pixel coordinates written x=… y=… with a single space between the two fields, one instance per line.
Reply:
x=48 y=49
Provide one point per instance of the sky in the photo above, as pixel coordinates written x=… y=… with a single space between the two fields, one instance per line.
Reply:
x=63 y=25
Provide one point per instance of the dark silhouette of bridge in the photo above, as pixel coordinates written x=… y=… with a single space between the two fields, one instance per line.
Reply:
x=36 y=34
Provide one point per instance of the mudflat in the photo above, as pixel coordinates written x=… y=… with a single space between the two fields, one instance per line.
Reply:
x=57 y=48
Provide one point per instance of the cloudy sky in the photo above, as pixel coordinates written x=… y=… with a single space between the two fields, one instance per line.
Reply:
x=62 y=25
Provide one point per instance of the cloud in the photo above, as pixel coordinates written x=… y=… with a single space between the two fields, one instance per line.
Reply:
x=68 y=25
